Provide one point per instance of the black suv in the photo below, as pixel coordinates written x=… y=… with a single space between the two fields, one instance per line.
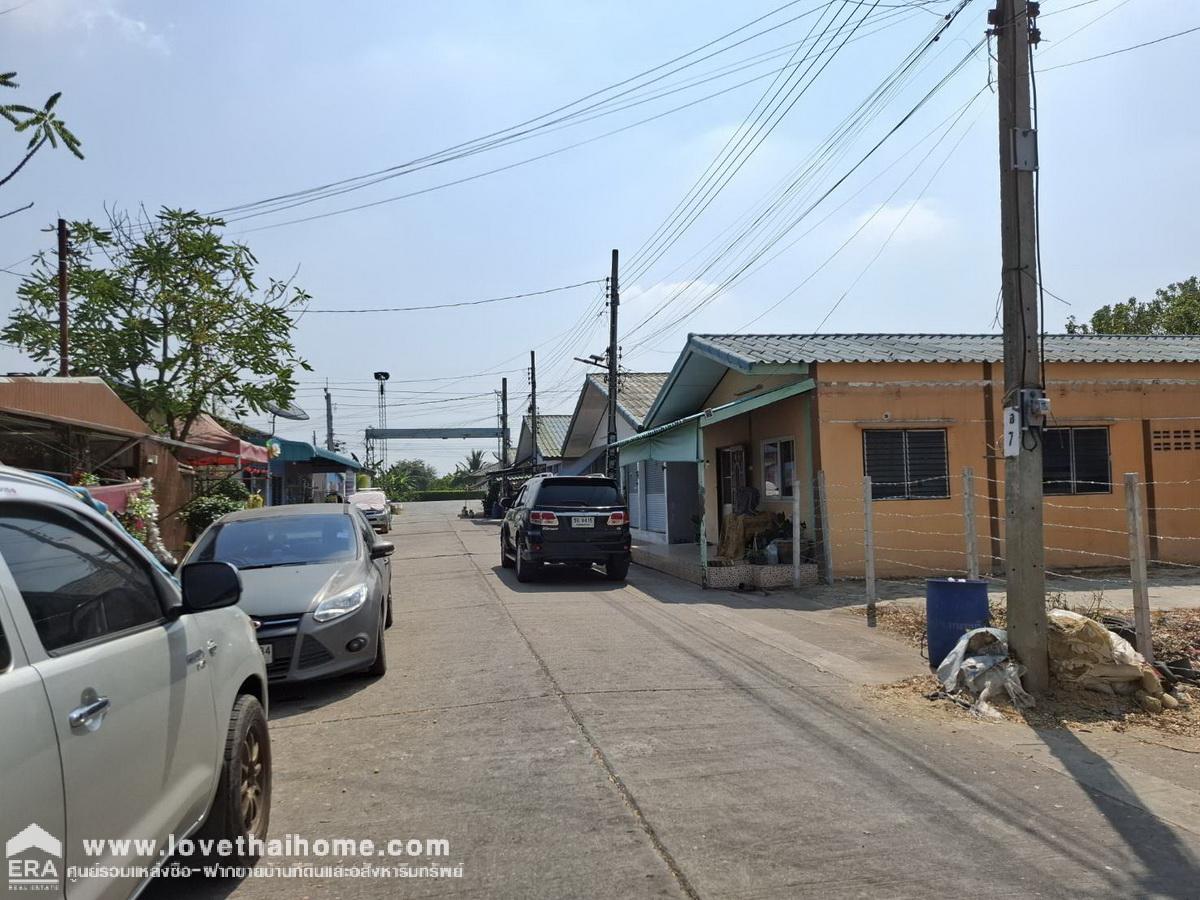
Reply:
x=579 y=521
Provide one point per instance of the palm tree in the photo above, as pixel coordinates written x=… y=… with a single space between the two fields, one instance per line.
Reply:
x=44 y=126
x=475 y=462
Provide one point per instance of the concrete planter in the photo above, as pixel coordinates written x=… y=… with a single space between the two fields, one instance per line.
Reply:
x=730 y=577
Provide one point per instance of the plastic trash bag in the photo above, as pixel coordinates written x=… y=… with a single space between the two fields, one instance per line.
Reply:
x=980 y=664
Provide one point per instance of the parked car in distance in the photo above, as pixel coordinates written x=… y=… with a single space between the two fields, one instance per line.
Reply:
x=316 y=581
x=566 y=520
x=131 y=708
x=374 y=505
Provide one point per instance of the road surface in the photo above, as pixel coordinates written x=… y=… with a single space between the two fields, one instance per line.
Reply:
x=580 y=738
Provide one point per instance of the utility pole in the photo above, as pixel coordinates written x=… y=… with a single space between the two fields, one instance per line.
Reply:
x=614 y=300
x=533 y=404
x=1025 y=401
x=328 y=420
x=64 y=363
x=504 y=423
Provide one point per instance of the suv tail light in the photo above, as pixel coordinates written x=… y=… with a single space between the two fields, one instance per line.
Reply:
x=537 y=517
x=618 y=518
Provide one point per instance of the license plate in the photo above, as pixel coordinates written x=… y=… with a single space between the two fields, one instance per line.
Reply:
x=583 y=521
x=268 y=652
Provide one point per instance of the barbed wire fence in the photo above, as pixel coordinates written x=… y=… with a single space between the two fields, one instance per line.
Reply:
x=1105 y=542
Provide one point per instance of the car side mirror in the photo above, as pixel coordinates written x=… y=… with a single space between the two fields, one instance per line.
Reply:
x=209 y=585
x=380 y=549
x=506 y=502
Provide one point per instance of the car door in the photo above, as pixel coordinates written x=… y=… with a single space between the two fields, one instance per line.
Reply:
x=31 y=799
x=129 y=689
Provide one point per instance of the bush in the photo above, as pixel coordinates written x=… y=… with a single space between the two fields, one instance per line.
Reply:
x=417 y=496
x=203 y=511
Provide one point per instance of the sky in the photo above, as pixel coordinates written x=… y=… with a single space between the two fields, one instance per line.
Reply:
x=210 y=105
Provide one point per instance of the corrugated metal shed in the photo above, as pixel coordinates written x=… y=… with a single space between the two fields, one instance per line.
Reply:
x=866 y=348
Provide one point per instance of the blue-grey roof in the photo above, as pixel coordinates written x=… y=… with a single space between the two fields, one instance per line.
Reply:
x=552 y=432
x=750 y=349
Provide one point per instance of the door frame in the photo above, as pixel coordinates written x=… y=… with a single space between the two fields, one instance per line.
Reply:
x=724 y=454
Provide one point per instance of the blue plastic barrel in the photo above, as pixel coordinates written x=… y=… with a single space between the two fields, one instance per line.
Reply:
x=952 y=607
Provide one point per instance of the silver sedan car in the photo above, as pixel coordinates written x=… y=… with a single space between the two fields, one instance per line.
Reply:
x=316 y=580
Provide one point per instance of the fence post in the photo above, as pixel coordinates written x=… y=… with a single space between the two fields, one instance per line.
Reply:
x=826 y=543
x=969 y=518
x=1137 y=566
x=796 y=534
x=869 y=544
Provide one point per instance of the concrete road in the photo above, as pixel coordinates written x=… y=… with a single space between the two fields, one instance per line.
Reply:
x=579 y=738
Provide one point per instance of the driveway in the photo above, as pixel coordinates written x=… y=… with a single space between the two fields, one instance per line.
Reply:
x=580 y=738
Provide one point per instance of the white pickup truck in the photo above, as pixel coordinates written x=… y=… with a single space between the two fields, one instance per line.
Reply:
x=130 y=707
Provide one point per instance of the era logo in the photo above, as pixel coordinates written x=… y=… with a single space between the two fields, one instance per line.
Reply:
x=31 y=855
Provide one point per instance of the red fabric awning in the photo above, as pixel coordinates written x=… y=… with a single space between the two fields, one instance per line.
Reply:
x=115 y=496
x=228 y=449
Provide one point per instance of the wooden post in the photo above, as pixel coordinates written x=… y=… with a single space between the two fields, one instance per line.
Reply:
x=869 y=545
x=969 y=517
x=796 y=534
x=1137 y=566
x=826 y=542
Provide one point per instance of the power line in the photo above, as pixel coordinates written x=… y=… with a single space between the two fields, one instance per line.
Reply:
x=565 y=287
x=1160 y=40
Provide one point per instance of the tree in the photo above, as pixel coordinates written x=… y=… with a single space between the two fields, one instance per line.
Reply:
x=1175 y=309
x=43 y=125
x=474 y=463
x=407 y=475
x=168 y=313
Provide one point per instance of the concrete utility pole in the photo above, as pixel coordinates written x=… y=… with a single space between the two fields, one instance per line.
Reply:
x=328 y=420
x=1024 y=397
x=503 y=423
x=533 y=404
x=64 y=360
x=614 y=301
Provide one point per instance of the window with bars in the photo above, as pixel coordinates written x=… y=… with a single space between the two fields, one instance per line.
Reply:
x=1076 y=461
x=779 y=467
x=907 y=463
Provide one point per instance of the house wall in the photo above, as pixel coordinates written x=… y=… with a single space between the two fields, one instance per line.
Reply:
x=785 y=419
x=915 y=538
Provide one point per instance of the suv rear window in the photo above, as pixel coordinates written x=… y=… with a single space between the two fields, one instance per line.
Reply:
x=583 y=492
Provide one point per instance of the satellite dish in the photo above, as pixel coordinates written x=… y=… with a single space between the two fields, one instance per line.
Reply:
x=286 y=412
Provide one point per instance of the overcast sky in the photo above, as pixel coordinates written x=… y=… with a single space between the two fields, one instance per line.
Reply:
x=208 y=105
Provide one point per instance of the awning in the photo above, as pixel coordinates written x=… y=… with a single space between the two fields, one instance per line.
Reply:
x=304 y=452
x=115 y=496
x=225 y=448
x=679 y=441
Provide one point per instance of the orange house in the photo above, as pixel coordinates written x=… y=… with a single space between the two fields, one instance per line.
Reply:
x=802 y=419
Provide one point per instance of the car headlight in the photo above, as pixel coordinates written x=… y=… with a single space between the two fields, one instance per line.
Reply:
x=340 y=604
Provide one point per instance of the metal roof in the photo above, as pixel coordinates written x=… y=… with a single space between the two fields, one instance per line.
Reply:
x=750 y=349
x=635 y=392
x=552 y=432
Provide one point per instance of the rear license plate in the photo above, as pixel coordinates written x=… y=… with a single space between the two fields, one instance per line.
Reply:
x=583 y=521
x=268 y=652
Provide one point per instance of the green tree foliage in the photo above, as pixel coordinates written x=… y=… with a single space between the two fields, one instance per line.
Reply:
x=168 y=312
x=214 y=498
x=406 y=476
x=43 y=126
x=1175 y=309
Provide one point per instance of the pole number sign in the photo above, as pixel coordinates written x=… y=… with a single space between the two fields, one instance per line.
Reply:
x=1012 y=431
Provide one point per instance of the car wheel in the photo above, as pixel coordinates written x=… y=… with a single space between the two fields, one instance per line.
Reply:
x=242 y=806
x=616 y=569
x=526 y=570
x=379 y=667
x=505 y=560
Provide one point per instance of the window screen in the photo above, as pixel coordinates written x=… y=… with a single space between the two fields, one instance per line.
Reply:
x=906 y=464
x=1076 y=461
x=76 y=585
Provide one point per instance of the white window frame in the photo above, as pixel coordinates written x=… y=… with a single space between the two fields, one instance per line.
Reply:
x=785 y=490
